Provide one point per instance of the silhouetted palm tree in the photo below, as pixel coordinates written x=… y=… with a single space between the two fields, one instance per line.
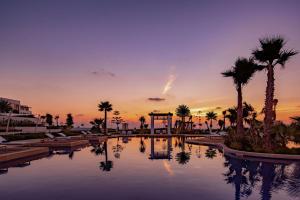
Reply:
x=97 y=122
x=49 y=119
x=269 y=54
x=183 y=111
x=106 y=107
x=56 y=119
x=210 y=116
x=232 y=116
x=117 y=119
x=142 y=120
x=5 y=106
x=221 y=124
x=241 y=73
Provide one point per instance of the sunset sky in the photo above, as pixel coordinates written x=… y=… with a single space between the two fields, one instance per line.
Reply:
x=66 y=56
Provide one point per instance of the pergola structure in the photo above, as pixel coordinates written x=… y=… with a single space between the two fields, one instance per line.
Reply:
x=161 y=116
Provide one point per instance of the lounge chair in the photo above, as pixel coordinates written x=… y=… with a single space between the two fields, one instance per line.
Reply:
x=49 y=135
x=2 y=140
x=84 y=133
x=89 y=132
x=62 y=134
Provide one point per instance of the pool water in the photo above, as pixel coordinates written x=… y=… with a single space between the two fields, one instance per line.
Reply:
x=149 y=168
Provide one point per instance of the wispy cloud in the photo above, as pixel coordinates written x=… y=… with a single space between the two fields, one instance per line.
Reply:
x=157 y=99
x=103 y=72
x=169 y=83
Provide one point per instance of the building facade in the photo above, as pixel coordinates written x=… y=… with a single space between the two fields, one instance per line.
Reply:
x=17 y=107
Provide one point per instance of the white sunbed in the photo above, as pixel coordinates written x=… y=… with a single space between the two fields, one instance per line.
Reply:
x=62 y=134
x=89 y=132
x=84 y=133
x=49 y=135
x=2 y=139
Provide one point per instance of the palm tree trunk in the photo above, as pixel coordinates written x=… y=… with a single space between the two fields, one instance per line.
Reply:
x=268 y=120
x=240 y=127
x=210 y=124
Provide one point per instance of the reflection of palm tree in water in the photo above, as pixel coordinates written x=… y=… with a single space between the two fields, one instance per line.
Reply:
x=142 y=147
x=98 y=150
x=273 y=178
x=236 y=175
x=117 y=149
x=183 y=157
x=293 y=184
x=106 y=165
x=245 y=175
x=210 y=153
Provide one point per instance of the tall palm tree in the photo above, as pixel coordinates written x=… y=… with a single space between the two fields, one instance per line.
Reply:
x=106 y=107
x=4 y=106
x=142 y=120
x=270 y=54
x=183 y=111
x=241 y=73
x=210 y=116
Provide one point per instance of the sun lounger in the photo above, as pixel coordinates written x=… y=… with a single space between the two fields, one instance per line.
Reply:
x=89 y=132
x=49 y=135
x=2 y=139
x=62 y=134
x=84 y=133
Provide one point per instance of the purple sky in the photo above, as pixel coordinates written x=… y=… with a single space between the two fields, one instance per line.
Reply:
x=56 y=52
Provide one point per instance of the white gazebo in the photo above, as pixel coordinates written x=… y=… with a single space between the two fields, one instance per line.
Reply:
x=161 y=116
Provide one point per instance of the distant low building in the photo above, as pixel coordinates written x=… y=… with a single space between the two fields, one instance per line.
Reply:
x=17 y=107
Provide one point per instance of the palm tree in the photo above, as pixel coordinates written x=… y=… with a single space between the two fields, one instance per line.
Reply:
x=221 y=124
x=210 y=116
x=269 y=54
x=142 y=120
x=106 y=107
x=224 y=119
x=97 y=122
x=183 y=111
x=49 y=119
x=241 y=73
x=232 y=116
x=56 y=119
x=5 y=106
x=117 y=119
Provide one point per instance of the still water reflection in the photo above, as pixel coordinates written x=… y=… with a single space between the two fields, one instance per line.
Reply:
x=148 y=168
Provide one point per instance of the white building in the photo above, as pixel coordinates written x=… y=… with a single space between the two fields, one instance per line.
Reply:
x=17 y=107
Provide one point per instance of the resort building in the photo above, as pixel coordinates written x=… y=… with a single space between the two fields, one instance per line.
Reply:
x=17 y=107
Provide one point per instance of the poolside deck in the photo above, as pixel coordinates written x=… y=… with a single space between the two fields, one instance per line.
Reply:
x=11 y=153
x=59 y=143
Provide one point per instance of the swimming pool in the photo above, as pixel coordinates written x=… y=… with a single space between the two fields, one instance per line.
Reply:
x=149 y=168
